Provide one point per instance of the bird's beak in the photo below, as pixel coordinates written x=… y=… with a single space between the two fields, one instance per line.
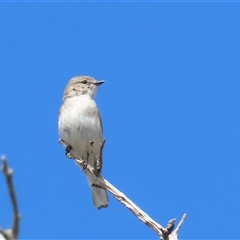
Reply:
x=99 y=82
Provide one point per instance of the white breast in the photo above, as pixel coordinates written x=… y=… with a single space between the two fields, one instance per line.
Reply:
x=79 y=123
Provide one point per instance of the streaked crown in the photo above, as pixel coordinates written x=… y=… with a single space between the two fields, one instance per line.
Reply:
x=81 y=85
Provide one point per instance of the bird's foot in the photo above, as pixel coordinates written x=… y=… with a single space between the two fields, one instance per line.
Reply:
x=68 y=151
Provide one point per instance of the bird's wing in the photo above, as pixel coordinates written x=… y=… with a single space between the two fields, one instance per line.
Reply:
x=100 y=119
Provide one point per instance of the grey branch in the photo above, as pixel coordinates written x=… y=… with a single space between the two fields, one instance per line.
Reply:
x=164 y=233
x=174 y=234
x=12 y=233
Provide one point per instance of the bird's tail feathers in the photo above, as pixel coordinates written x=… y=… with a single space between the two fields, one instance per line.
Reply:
x=100 y=197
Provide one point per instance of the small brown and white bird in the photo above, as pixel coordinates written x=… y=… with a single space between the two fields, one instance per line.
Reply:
x=79 y=124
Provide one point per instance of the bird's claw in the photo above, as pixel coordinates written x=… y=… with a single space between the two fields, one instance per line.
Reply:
x=68 y=151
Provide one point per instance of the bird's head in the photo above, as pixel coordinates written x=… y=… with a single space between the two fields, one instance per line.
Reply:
x=82 y=85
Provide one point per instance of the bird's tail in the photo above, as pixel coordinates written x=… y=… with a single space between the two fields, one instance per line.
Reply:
x=100 y=197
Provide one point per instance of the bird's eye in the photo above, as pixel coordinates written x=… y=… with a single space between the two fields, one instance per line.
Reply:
x=84 y=81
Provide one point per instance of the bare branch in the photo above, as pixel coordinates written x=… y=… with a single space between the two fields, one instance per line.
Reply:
x=174 y=234
x=8 y=172
x=164 y=233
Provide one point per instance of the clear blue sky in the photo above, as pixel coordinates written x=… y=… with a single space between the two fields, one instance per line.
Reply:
x=170 y=110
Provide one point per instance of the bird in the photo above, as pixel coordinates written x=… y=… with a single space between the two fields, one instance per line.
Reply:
x=80 y=128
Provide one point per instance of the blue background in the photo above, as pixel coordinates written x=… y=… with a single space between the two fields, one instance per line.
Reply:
x=170 y=110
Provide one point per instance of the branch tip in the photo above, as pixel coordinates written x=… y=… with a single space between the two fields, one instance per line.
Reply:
x=183 y=219
x=8 y=172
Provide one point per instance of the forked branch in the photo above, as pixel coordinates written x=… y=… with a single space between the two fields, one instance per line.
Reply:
x=12 y=233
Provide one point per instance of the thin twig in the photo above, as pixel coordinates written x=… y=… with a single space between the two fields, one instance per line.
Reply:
x=164 y=233
x=8 y=172
x=176 y=231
